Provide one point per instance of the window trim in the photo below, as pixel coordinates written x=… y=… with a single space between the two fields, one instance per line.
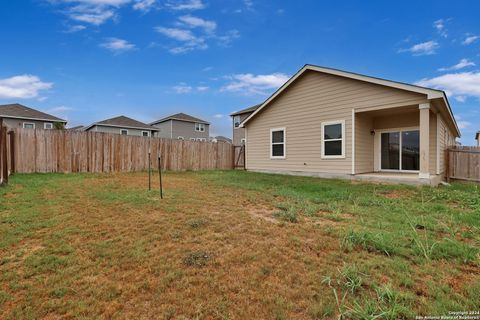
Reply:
x=329 y=123
x=122 y=133
x=243 y=140
x=284 y=143
x=200 y=126
x=26 y=123
x=181 y=138
x=148 y=133
x=45 y=125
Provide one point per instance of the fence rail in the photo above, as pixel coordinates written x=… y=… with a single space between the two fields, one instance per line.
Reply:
x=463 y=163
x=76 y=151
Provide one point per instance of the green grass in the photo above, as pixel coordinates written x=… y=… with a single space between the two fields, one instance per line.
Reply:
x=235 y=244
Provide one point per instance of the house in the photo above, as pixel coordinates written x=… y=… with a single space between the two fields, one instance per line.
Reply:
x=20 y=116
x=183 y=127
x=238 y=117
x=76 y=128
x=221 y=139
x=122 y=125
x=332 y=123
x=477 y=137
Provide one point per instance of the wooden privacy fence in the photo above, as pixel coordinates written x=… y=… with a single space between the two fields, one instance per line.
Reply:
x=3 y=154
x=77 y=151
x=463 y=163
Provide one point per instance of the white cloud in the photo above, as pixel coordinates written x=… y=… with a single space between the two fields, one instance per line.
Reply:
x=462 y=124
x=462 y=64
x=117 y=45
x=457 y=85
x=144 y=5
x=186 y=5
x=219 y=116
x=254 y=84
x=186 y=37
x=22 y=87
x=75 y=28
x=202 y=88
x=206 y=69
x=227 y=38
x=182 y=88
x=95 y=15
x=439 y=25
x=470 y=39
x=424 y=48
x=59 y=109
x=196 y=22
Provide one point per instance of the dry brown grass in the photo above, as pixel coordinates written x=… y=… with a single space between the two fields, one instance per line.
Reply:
x=206 y=251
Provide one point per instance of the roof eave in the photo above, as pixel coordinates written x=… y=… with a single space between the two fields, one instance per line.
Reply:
x=35 y=119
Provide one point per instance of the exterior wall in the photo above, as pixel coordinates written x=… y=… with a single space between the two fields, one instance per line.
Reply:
x=107 y=129
x=446 y=139
x=165 y=129
x=364 y=143
x=18 y=123
x=175 y=128
x=187 y=130
x=312 y=99
x=239 y=133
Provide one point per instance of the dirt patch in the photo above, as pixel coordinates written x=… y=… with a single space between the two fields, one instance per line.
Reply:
x=263 y=213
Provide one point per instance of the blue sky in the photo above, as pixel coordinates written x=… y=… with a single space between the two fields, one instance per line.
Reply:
x=88 y=60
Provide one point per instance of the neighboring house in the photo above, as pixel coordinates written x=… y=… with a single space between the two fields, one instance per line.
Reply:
x=477 y=137
x=183 y=127
x=122 y=125
x=76 y=128
x=221 y=139
x=20 y=116
x=332 y=123
x=238 y=117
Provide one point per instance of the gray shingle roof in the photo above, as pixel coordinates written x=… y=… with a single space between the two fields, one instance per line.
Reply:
x=181 y=117
x=76 y=128
x=122 y=122
x=246 y=110
x=17 y=110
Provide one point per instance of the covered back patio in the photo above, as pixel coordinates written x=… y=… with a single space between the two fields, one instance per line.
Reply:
x=397 y=144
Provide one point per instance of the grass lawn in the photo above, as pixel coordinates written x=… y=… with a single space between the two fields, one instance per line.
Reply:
x=235 y=245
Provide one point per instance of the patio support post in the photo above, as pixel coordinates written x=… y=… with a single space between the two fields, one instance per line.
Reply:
x=424 y=141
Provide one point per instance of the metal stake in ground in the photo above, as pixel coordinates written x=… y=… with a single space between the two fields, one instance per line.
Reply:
x=160 y=175
x=149 y=172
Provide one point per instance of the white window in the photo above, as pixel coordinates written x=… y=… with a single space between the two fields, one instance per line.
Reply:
x=180 y=138
x=277 y=143
x=123 y=132
x=48 y=125
x=200 y=127
x=236 y=121
x=333 y=139
x=28 y=125
x=145 y=134
x=243 y=140
x=192 y=139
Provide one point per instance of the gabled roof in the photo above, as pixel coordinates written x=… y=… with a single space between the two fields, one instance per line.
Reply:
x=430 y=93
x=223 y=138
x=122 y=122
x=246 y=110
x=19 y=111
x=180 y=117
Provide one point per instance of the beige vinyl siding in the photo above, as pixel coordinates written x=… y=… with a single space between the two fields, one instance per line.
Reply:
x=301 y=108
x=433 y=143
x=446 y=140
x=364 y=143
x=239 y=133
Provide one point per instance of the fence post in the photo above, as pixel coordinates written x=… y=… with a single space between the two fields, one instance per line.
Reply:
x=12 y=151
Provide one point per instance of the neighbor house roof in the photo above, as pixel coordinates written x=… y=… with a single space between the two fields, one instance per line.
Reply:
x=180 y=117
x=430 y=93
x=122 y=122
x=76 y=128
x=246 y=110
x=222 y=138
x=19 y=111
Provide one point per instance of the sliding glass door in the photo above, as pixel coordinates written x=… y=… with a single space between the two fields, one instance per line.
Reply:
x=400 y=150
